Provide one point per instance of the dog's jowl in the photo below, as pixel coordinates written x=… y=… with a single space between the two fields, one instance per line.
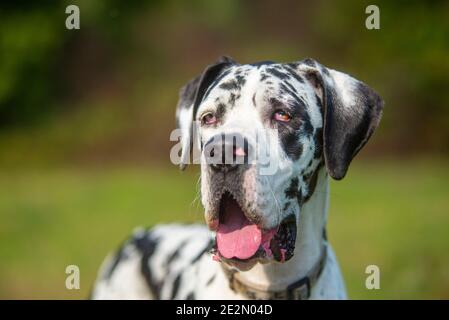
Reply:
x=264 y=235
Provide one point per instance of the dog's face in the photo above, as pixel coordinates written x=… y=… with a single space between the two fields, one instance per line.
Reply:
x=264 y=130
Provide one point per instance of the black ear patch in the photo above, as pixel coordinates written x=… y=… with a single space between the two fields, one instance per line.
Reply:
x=346 y=133
x=352 y=111
x=190 y=97
x=210 y=74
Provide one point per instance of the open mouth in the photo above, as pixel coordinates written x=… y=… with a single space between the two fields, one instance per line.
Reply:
x=240 y=240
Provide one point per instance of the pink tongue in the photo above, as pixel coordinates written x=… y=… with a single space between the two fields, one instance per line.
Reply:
x=237 y=237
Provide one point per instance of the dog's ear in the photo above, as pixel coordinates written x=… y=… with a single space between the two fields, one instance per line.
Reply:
x=190 y=97
x=351 y=113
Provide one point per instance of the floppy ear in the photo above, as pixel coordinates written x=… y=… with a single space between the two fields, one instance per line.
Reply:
x=351 y=113
x=190 y=97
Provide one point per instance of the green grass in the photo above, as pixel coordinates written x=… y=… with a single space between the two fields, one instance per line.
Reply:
x=394 y=215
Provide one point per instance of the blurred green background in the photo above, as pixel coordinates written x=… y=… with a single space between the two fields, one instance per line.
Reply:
x=85 y=117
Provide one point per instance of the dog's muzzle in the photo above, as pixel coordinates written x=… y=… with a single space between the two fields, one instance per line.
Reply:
x=240 y=238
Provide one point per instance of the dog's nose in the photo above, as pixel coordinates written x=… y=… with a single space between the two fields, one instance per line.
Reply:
x=224 y=152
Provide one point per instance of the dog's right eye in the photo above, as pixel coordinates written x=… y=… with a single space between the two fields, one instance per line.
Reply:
x=208 y=119
x=282 y=116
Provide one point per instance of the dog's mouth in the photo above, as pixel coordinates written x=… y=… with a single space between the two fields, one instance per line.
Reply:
x=239 y=240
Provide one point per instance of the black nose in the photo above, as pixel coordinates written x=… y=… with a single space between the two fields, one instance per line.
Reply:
x=225 y=152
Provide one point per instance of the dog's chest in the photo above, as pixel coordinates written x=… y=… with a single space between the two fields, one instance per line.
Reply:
x=173 y=262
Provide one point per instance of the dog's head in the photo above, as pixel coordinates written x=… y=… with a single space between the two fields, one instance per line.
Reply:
x=263 y=131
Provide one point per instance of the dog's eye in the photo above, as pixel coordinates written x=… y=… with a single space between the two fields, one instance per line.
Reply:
x=208 y=119
x=282 y=116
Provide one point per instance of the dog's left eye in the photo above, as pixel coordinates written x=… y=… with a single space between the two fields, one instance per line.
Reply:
x=208 y=119
x=282 y=116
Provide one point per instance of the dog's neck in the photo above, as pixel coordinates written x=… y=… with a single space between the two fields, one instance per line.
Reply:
x=309 y=244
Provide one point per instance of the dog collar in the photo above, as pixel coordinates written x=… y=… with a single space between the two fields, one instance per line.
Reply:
x=299 y=290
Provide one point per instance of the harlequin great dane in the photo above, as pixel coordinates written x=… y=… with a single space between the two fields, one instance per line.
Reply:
x=265 y=236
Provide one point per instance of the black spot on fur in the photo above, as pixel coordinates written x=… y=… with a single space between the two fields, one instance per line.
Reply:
x=307 y=127
x=176 y=284
x=190 y=296
x=293 y=191
x=233 y=98
x=284 y=90
x=220 y=112
x=310 y=163
x=278 y=74
x=208 y=283
x=147 y=246
x=229 y=85
x=119 y=257
x=311 y=184
x=207 y=248
x=254 y=99
x=290 y=142
x=174 y=255
x=326 y=72
x=290 y=86
x=318 y=138
x=294 y=74
x=320 y=103
x=240 y=80
x=309 y=62
x=263 y=77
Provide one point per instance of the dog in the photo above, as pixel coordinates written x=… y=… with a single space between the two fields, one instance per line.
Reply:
x=266 y=233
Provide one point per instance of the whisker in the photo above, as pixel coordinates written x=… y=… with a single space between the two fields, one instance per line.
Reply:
x=195 y=204
x=275 y=200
